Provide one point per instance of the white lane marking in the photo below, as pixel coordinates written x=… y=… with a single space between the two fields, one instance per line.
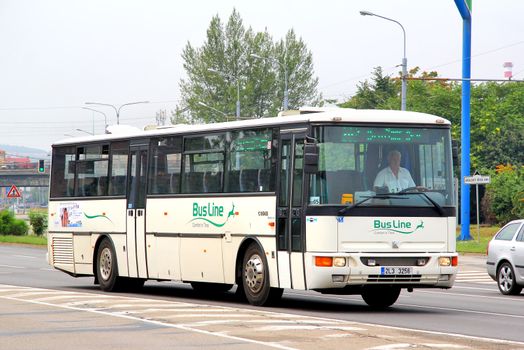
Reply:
x=31 y=294
x=65 y=296
x=462 y=310
x=338 y=335
x=196 y=310
x=446 y=346
x=294 y=321
x=300 y=327
x=12 y=267
x=158 y=323
x=26 y=256
x=477 y=296
x=410 y=346
x=472 y=288
x=230 y=315
x=391 y=346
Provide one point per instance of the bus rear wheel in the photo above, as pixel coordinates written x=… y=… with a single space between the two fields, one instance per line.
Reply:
x=380 y=297
x=255 y=278
x=106 y=267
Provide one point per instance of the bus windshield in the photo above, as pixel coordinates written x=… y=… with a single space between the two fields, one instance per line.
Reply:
x=382 y=166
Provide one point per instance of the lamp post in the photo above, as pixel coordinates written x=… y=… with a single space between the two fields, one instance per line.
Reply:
x=224 y=75
x=97 y=111
x=404 y=59
x=117 y=110
x=286 y=94
x=213 y=109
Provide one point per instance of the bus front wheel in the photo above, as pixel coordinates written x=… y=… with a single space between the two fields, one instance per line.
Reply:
x=380 y=297
x=255 y=278
x=106 y=270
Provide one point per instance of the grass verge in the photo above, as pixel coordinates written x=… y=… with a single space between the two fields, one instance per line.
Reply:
x=475 y=245
x=34 y=240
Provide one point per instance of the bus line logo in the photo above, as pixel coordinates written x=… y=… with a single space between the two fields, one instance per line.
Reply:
x=212 y=214
x=398 y=226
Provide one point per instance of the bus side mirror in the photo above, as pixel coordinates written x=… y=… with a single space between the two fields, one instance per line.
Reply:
x=454 y=151
x=310 y=158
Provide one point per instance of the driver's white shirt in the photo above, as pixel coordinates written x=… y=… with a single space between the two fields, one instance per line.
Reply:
x=385 y=177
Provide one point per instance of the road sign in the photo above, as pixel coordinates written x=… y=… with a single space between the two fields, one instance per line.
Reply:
x=14 y=192
x=477 y=179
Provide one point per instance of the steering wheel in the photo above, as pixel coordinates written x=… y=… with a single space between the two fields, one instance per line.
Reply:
x=413 y=189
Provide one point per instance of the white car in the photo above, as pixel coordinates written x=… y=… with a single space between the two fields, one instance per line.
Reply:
x=505 y=263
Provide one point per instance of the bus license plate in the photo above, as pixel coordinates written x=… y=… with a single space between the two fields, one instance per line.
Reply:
x=396 y=270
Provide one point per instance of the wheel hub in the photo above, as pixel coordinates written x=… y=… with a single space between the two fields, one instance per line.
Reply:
x=505 y=279
x=254 y=273
x=105 y=263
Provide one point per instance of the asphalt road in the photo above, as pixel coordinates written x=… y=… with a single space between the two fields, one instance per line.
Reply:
x=164 y=314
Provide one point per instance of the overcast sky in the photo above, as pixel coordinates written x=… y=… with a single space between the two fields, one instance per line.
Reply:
x=57 y=54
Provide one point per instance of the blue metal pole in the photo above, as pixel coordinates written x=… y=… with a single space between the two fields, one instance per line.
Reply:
x=465 y=130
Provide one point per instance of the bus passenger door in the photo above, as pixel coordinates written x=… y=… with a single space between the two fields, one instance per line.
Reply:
x=136 y=210
x=290 y=213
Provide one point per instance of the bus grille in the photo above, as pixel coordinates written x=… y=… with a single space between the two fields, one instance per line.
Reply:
x=62 y=250
x=394 y=278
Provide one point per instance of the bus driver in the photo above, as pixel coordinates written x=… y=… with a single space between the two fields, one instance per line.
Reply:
x=394 y=177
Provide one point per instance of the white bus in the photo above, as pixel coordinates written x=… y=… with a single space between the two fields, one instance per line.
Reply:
x=265 y=204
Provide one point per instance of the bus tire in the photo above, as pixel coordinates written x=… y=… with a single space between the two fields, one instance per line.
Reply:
x=255 y=278
x=106 y=267
x=380 y=297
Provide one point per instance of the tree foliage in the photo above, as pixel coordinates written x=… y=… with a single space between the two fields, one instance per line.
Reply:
x=38 y=220
x=226 y=66
x=504 y=198
x=9 y=225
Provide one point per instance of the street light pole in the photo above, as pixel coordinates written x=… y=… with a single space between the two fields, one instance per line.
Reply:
x=286 y=93
x=238 y=88
x=117 y=110
x=213 y=109
x=87 y=132
x=105 y=117
x=404 y=59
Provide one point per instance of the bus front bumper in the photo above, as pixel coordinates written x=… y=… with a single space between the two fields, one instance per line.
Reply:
x=408 y=271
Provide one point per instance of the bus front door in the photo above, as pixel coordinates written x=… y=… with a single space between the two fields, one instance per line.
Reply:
x=136 y=211
x=290 y=213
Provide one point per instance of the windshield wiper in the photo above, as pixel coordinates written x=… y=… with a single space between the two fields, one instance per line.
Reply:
x=379 y=196
x=435 y=204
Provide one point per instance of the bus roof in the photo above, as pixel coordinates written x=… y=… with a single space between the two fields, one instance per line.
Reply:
x=304 y=115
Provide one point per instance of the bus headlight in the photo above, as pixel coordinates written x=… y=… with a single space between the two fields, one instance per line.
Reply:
x=339 y=262
x=448 y=261
x=444 y=261
x=328 y=261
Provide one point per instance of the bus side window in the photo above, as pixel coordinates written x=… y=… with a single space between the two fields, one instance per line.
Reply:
x=63 y=172
x=248 y=180
x=118 y=159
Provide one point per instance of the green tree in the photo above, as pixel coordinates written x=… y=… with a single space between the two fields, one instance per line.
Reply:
x=38 y=220
x=225 y=64
x=373 y=94
x=9 y=225
x=504 y=198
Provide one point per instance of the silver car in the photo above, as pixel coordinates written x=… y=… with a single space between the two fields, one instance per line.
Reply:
x=505 y=262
